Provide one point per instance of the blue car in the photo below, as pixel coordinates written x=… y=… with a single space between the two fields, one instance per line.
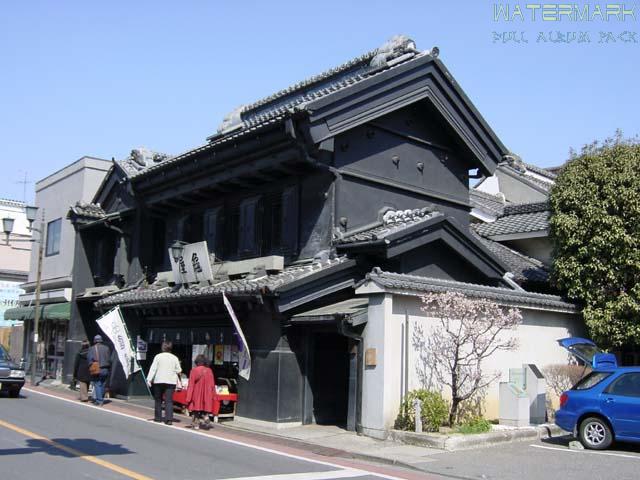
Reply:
x=603 y=406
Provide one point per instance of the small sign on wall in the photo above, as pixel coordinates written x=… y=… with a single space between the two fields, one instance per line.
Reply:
x=370 y=357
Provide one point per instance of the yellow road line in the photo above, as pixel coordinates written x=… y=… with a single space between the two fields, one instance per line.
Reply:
x=76 y=453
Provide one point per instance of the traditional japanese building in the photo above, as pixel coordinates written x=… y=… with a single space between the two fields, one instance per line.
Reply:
x=357 y=175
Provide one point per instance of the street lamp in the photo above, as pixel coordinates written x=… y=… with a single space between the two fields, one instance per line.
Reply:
x=176 y=250
x=7 y=225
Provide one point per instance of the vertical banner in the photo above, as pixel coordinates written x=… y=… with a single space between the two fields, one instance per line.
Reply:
x=244 y=357
x=112 y=325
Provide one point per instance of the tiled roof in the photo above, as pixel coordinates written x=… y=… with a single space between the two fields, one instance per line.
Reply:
x=541 y=171
x=275 y=108
x=515 y=208
x=523 y=268
x=397 y=50
x=500 y=295
x=160 y=291
x=528 y=172
x=88 y=210
x=392 y=221
x=486 y=201
x=533 y=220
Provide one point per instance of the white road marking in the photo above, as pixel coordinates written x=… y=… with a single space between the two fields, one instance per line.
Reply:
x=306 y=476
x=608 y=454
x=227 y=440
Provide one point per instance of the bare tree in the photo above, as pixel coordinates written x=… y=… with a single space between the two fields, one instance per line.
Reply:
x=561 y=377
x=466 y=332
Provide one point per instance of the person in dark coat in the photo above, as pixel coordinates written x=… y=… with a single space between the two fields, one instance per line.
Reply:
x=81 y=371
x=100 y=353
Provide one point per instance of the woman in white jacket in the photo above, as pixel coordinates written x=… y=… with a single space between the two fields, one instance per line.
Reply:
x=163 y=376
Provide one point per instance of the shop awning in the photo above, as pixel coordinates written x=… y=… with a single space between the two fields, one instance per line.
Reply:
x=54 y=311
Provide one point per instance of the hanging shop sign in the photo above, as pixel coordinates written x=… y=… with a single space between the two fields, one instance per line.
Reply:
x=244 y=356
x=193 y=265
x=113 y=326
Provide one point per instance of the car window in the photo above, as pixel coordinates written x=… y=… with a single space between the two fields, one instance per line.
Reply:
x=3 y=354
x=591 y=380
x=627 y=385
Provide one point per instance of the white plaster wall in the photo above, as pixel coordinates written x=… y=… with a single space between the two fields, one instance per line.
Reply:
x=490 y=185
x=380 y=383
x=536 y=337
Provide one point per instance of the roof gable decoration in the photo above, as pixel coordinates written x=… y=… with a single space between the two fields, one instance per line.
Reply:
x=140 y=159
x=392 y=221
x=398 y=49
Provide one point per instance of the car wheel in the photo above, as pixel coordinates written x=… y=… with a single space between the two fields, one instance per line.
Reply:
x=14 y=393
x=595 y=434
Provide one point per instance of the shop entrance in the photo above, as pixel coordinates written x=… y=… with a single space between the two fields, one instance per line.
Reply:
x=329 y=378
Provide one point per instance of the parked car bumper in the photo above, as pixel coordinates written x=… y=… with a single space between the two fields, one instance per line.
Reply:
x=566 y=420
x=11 y=384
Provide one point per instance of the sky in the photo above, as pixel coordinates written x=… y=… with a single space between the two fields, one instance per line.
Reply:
x=101 y=78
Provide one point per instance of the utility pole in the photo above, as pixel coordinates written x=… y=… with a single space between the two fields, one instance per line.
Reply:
x=36 y=316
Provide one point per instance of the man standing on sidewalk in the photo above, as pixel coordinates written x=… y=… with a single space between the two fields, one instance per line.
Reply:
x=101 y=354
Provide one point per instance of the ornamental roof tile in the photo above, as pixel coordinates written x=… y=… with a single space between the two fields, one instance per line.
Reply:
x=500 y=295
x=393 y=221
x=160 y=291
x=88 y=210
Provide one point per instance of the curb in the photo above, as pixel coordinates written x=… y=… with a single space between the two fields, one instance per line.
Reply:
x=465 y=442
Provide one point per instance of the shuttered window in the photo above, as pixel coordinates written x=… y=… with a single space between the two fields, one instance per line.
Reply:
x=248 y=221
x=212 y=231
x=289 y=226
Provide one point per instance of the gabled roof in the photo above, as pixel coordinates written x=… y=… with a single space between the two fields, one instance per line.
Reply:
x=396 y=51
x=517 y=219
x=405 y=230
x=524 y=269
x=415 y=76
x=161 y=292
x=412 y=284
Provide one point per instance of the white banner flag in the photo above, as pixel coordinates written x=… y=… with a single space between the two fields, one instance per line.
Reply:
x=244 y=357
x=112 y=325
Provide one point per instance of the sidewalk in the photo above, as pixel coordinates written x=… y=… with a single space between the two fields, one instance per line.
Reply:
x=332 y=441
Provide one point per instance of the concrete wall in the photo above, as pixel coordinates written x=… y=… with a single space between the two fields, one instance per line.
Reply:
x=14 y=257
x=55 y=194
x=384 y=385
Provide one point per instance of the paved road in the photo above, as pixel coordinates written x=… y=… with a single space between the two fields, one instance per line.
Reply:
x=46 y=437
x=545 y=459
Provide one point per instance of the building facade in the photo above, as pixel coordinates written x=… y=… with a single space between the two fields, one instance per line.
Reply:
x=300 y=197
x=54 y=195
